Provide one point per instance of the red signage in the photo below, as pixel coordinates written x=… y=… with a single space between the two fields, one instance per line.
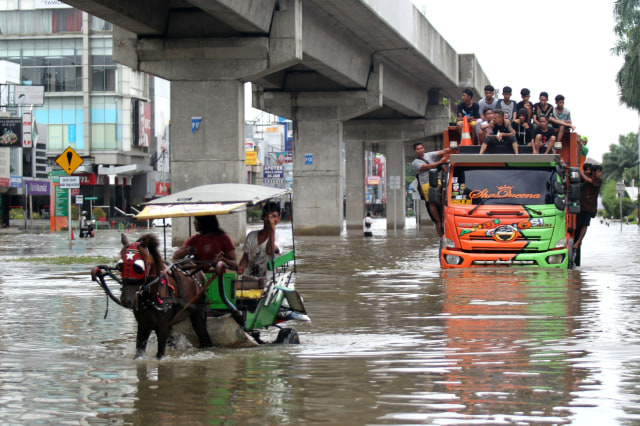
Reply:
x=88 y=179
x=162 y=188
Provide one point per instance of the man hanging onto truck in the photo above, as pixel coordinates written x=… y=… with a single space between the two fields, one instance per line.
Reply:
x=592 y=178
x=422 y=164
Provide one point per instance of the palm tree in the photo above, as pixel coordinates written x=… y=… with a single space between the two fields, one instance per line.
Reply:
x=627 y=28
x=622 y=159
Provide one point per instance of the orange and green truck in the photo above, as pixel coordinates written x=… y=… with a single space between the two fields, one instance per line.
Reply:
x=503 y=209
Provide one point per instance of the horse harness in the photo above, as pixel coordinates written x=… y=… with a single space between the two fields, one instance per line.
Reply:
x=135 y=270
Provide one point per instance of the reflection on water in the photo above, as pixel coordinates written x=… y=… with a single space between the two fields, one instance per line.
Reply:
x=394 y=339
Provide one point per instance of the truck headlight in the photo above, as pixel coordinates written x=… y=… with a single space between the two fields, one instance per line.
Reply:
x=555 y=259
x=446 y=242
x=561 y=243
x=452 y=259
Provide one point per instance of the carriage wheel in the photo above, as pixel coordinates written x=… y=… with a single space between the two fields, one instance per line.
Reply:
x=288 y=336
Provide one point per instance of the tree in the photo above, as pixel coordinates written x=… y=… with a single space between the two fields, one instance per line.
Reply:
x=621 y=162
x=627 y=29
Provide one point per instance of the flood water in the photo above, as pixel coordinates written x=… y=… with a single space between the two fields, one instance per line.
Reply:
x=393 y=340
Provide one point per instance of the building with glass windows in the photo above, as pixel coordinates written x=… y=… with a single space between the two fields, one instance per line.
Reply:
x=99 y=108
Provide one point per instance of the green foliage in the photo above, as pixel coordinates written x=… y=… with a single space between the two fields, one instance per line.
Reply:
x=621 y=162
x=409 y=174
x=254 y=214
x=99 y=213
x=16 y=214
x=627 y=29
x=611 y=202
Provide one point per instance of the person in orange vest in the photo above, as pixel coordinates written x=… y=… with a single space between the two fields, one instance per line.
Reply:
x=584 y=151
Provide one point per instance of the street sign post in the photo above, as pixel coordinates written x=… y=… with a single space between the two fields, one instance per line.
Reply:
x=394 y=183
x=91 y=200
x=620 y=189
x=69 y=160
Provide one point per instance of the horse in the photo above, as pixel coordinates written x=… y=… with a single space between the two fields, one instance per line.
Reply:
x=158 y=297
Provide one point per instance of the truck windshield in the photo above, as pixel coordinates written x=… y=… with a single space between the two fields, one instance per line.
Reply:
x=499 y=185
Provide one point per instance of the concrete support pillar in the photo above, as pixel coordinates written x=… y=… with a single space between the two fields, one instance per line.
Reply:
x=355 y=183
x=214 y=153
x=318 y=177
x=318 y=170
x=396 y=209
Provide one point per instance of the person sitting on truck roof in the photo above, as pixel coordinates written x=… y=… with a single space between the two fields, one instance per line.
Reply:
x=500 y=132
x=489 y=99
x=471 y=110
x=561 y=117
x=543 y=137
x=523 y=127
x=542 y=108
x=482 y=128
x=506 y=104
x=525 y=94
x=422 y=164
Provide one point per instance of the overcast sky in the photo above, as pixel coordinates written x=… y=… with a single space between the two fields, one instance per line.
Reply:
x=556 y=46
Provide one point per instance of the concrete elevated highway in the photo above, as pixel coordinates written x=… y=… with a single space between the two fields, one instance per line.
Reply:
x=359 y=71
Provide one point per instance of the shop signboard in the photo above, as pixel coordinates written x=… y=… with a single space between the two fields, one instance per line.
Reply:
x=35 y=187
x=62 y=202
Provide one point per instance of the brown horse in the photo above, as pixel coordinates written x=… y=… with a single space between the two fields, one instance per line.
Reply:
x=159 y=298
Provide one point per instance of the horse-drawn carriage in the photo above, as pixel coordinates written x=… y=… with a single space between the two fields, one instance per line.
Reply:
x=221 y=312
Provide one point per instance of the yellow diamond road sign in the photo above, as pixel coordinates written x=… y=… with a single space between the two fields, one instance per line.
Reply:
x=69 y=160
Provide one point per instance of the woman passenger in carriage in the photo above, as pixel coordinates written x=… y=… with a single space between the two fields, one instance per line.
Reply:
x=210 y=243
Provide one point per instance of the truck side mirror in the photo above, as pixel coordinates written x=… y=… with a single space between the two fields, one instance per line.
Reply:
x=574 y=175
x=558 y=187
x=574 y=207
x=560 y=202
x=433 y=178
x=574 y=192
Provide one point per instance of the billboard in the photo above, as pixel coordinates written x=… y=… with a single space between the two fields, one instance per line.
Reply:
x=29 y=95
x=273 y=175
x=11 y=132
